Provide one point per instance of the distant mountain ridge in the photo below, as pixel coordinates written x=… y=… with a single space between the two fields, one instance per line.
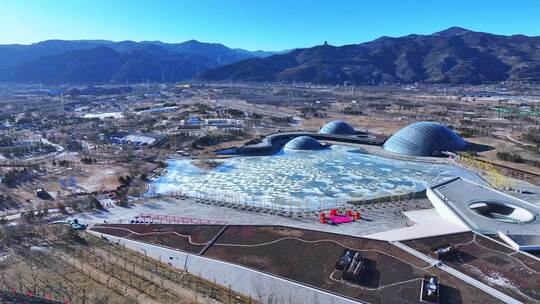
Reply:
x=452 y=56
x=13 y=54
x=103 y=64
x=63 y=61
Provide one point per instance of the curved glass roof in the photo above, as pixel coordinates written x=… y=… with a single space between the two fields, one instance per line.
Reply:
x=424 y=139
x=337 y=127
x=303 y=143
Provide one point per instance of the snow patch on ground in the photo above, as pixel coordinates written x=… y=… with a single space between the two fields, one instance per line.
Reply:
x=40 y=249
x=329 y=175
x=5 y=257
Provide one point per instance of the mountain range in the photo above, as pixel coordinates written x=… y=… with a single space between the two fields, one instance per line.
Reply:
x=451 y=56
x=96 y=61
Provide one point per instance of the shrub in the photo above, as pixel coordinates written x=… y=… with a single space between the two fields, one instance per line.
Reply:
x=533 y=135
x=507 y=156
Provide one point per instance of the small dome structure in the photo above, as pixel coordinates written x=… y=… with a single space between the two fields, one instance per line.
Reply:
x=337 y=127
x=304 y=143
x=424 y=139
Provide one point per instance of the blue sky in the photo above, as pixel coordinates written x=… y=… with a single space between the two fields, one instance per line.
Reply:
x=258 y=24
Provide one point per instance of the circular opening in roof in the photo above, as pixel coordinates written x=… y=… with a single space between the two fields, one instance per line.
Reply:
x=503 y=212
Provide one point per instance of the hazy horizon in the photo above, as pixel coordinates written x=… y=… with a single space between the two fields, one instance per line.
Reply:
x=257 y=25
x=217 y=42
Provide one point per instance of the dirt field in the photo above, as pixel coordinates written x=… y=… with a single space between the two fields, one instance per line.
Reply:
x=190 y=238
x=98 y=176
x=102 y=176
x=88 y=178
x=43 y=270
x=498 y=145
x=376 y=125
x=308 y=257
x=498 y=266
x=90 y=270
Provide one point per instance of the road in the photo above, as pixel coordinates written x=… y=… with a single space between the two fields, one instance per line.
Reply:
x=519 y=142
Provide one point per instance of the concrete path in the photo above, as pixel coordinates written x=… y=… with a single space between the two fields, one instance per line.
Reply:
x=378 y=218
x=424 y=221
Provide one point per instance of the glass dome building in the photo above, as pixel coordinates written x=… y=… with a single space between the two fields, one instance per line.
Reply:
x=424 y=139
x=304 y=143
x=337 y=127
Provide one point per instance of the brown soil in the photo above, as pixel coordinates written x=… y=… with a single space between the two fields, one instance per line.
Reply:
x=499 y=145
x=308 y=257
x=492 y=263
x=377 y=125
x=172 y=236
